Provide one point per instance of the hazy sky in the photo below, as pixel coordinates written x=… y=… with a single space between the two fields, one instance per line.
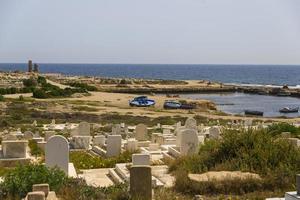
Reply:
x=151 y=31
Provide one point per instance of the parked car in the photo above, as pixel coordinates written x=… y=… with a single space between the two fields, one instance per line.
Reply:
x=172 y=105
x=142 y=101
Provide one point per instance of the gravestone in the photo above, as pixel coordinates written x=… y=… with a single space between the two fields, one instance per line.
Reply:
x=141 y=182
x=214 y=132
x=189 y=142
x=132 y=145
x=28 y=135
x=84 y=129
x=57 y=153
x=99 y=140
x=49 y=134
x=248 y=122
x=190 y=123
x=140 y=159
x=81 y=142
x=116 y=129
x=141 y=132
x=113 y=147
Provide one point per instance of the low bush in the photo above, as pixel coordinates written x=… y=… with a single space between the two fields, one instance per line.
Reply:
x=83 y=86
x=35 y=150
x=18 y=182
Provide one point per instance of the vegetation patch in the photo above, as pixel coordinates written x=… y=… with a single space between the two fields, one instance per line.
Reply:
x=84 y=160
x=18 y=182
x=256 y=151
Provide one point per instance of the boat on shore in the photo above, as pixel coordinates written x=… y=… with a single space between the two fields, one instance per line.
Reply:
x=289 y=110
x=254 y=112
x=142 y=101
x=283 y=94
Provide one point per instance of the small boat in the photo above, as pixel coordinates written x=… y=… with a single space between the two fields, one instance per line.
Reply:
x=142 y=101
x=172 y=105
x=289 y=110
x=254 y=112
x=283 y=94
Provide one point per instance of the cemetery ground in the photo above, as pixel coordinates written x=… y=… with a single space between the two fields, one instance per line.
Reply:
x=94 y=146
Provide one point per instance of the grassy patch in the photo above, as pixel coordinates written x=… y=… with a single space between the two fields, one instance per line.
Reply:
x=83 y=160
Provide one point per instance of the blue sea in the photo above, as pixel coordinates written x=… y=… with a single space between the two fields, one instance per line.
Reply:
x=240 y=74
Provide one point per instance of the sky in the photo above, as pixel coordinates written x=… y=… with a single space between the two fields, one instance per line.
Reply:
x=150 y=31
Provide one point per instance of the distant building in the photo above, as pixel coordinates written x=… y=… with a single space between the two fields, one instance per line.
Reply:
x=29 y=65
x=36 y=68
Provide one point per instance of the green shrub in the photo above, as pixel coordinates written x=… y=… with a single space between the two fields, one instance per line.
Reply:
x=278 y=128
x=41 y=80
x=39 y=94
x=18 y=182
x=30 y=82
x=1 y=98
x=35 y=150
x=83 y=86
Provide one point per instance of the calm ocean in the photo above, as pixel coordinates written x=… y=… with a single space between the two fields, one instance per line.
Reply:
x=245 y=74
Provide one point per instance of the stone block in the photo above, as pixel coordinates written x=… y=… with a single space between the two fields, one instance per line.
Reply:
x=14 y=149
x=41 y=187
x=141 y=159
x=141 y=182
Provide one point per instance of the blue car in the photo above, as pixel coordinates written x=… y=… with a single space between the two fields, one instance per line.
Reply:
x=142 y=101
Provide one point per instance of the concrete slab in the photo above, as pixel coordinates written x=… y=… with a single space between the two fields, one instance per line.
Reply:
x=97 y=177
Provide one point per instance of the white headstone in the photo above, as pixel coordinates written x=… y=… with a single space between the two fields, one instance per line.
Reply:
x=116 y=129
x=189 y=142
x=84 y=129
x=57 y=153
x=141 y=132
x=132 y=145
x=214 y=132
x=190 y=123
x=113 y=147
x=248 y=122
x=81 y=142
x=99 y=140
